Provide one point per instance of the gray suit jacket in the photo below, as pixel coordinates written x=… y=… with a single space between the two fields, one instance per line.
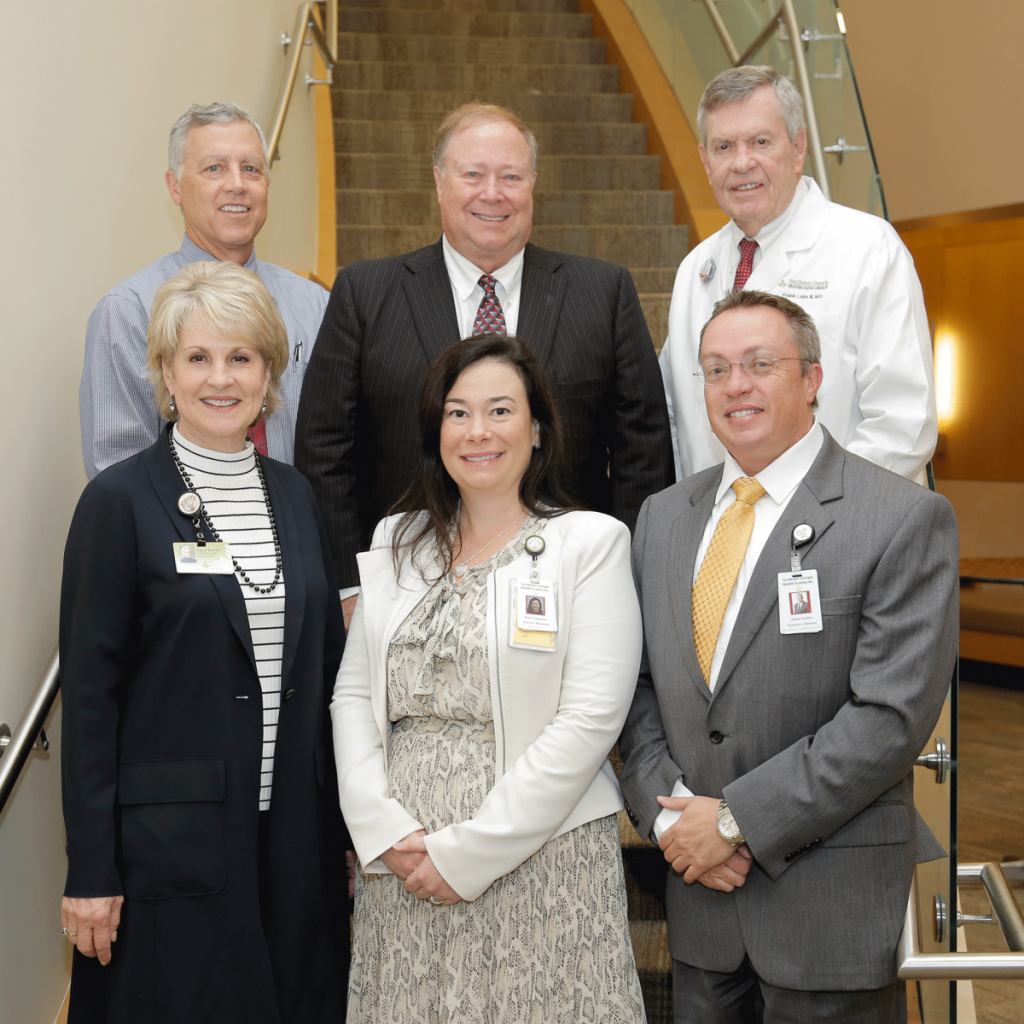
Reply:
x=810 y=737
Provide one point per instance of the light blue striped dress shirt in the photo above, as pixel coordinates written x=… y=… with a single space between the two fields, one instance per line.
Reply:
x=116 y=401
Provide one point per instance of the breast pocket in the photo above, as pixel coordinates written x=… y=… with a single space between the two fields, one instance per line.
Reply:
x=172 y=827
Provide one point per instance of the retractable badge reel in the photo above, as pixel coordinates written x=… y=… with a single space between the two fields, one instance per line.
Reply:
x=534 y=624
x=799 y=604
x=203 y=556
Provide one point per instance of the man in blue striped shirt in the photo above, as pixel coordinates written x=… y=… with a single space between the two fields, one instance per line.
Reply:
x=219 y=175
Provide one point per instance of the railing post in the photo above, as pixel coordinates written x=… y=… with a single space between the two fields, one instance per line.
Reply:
x=800 y=65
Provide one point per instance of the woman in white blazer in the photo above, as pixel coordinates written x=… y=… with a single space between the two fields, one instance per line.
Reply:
x=472 y=741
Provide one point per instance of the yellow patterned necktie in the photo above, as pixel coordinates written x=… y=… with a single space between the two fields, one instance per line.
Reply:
x=719 y=570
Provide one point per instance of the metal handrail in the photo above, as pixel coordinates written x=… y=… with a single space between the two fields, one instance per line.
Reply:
x=913 y=964
x=14 y=753
x=307 y=22
x=786 y=15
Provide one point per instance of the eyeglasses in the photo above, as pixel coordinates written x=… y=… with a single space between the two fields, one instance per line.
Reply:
x=757 y=364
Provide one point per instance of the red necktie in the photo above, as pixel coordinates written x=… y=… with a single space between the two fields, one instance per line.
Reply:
x=258 y=435
x=746 y=267
x=489 y=317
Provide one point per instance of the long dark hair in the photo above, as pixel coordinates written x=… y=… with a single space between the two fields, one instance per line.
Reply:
x=542 y=489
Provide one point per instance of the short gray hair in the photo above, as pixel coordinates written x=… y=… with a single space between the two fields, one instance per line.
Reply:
x=802 y=331
x=478 y=113
x=738 y=84
x=213 y=113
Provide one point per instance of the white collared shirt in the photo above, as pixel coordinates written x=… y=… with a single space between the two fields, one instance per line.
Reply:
x=780 y=480
x=467 y=293
x=767 y=236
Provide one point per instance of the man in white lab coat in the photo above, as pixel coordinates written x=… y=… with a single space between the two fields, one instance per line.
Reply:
x=848 y=269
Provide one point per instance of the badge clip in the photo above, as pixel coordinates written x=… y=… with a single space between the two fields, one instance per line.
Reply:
x=801 y=535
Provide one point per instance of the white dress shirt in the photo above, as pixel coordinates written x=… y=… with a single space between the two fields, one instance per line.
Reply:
x=765 y=238
x=467 y=293
x=780 y=480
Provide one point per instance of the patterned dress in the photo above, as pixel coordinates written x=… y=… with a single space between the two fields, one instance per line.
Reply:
x=547 y=943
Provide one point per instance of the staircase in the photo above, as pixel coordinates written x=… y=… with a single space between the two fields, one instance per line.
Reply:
x=403 y=64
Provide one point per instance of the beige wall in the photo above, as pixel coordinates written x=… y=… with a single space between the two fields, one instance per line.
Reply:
x=940 y=83
x=88 y=93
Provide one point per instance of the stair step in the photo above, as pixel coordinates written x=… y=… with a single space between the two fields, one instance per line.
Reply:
x=650 y=946
x=605 y=173
x=455 y=49
x=431 y=106
x=444 y=75
x=648 y=245
x=508 y=24
x=655 y=307
x=645 y=872
x=417 y=138
x=539 y=6
x=654 y=967
x=629 y=246
x=412 y=207
x=654 y=280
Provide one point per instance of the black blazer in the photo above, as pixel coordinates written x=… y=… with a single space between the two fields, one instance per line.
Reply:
x=389 y=319
x=162 y=740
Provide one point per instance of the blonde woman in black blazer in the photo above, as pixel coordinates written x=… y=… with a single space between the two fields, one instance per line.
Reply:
x=186 y=902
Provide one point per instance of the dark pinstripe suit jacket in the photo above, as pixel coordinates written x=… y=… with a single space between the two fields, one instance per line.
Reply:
x=389 y=319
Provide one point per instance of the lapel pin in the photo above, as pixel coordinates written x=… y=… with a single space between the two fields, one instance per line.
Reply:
x=707 y=271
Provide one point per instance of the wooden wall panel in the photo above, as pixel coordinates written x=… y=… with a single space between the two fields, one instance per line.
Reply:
x=973 y=280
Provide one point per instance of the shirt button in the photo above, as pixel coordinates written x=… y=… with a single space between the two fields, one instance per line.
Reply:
x=715 y=736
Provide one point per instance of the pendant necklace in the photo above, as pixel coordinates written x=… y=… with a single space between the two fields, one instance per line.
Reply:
x=462 y=567
x=190 y=504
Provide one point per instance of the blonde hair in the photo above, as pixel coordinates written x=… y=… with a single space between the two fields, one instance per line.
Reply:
x=228 y=302
x=478 y=113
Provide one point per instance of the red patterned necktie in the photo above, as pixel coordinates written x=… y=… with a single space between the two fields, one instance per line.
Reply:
x=489 y=317
x=746 y=267
x=258 y=435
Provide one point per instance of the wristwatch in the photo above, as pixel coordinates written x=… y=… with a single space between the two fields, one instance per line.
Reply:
x=728 y=828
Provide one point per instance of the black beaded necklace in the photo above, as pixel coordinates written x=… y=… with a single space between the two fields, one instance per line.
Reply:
x=197 y=524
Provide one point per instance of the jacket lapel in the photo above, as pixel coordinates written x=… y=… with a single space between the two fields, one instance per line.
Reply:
x=428 y=290
x=822 y=484
x=686 y=535
x=540 y=302
x=801 y=234
x=292 y=565
x=169 y=487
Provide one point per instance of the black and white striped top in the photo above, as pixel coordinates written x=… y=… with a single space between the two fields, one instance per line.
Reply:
x=233 y=500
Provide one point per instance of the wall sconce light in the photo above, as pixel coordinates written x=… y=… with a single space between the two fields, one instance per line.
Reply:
x=945 y=375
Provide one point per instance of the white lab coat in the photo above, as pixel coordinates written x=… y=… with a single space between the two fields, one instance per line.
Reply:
x=854 y=275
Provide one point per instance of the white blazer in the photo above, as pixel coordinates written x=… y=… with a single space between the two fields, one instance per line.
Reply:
x=856 y=278
x=556 y=715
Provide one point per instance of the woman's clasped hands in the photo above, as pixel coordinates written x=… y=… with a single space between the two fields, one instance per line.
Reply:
x=409 y=860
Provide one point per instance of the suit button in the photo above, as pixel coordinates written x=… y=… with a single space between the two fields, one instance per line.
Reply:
x=288 y=694
x=715 y=736
x=789 y=858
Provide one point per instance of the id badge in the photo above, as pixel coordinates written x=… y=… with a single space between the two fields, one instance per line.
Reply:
x=799 y=605
x=210 y=558
x=533 y=624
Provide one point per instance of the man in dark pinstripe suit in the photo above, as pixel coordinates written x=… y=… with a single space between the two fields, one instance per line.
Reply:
x=389 y=319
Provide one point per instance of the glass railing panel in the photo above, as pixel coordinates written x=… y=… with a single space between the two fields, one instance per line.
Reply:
x=691 y=51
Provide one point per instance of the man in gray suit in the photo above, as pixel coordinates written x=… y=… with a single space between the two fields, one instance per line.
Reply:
x=792 y=739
